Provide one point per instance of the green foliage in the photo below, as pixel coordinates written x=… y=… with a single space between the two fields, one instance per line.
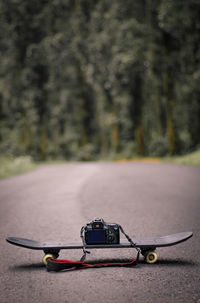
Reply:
x=158 y=146
x=10 y=166
x=188 y=159
x=87 y=79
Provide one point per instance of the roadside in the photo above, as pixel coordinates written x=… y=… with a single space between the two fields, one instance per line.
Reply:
x=189 y=159
x=11 y=166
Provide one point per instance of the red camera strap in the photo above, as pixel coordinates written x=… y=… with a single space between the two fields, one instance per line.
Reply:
x=62 y=264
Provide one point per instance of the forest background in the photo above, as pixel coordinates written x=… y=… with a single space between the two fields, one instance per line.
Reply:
x=97 y=79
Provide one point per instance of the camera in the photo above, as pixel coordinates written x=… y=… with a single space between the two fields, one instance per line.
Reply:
x=100 y=232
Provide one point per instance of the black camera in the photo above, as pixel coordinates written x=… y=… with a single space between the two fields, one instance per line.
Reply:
x=100 y=232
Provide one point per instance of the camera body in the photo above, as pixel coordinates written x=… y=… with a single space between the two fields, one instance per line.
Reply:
x=100 y=232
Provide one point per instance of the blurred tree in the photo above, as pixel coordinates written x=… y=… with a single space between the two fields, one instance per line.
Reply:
x=88 y=78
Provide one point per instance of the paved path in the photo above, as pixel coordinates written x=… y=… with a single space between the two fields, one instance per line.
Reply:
x=53 y=202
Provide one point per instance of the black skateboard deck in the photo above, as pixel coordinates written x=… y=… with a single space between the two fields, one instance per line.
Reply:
x=147 y=245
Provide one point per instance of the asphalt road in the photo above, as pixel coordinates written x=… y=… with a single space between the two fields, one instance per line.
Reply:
x=53 y=202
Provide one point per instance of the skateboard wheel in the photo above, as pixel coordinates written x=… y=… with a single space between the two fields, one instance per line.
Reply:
x=46 y=257
x=151 y=257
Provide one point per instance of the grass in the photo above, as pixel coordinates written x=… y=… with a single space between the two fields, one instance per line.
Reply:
x=189 y=159
x=10 y=166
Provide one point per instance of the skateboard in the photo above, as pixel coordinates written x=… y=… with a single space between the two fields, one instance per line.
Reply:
x=146 y=245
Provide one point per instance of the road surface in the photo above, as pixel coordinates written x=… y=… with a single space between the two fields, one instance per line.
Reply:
x=53 y=202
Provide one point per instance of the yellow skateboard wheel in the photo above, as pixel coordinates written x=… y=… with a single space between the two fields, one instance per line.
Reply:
x=151 y=257
x=46 y=257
